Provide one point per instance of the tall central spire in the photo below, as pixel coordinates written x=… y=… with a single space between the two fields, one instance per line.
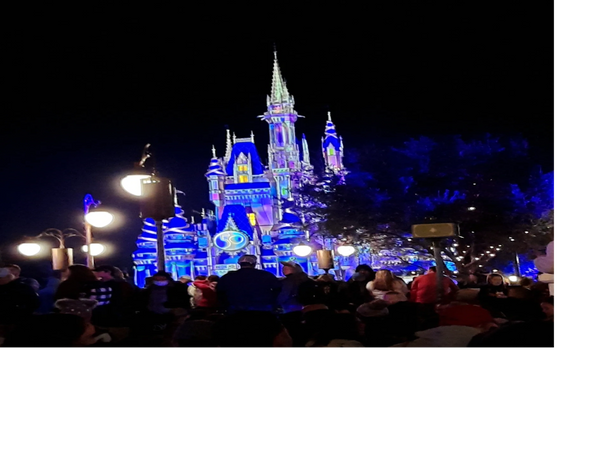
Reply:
x=279 y=91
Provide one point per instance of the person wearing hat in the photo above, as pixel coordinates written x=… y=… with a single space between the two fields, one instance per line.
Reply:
x=248 y=288
x=294 y=276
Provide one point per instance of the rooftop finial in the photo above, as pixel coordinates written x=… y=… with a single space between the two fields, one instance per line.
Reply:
x=214 y=151
x=279 y=91
x=252 y=135
x=329 y=116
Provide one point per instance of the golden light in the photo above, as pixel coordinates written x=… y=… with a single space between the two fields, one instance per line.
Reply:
x=346 y=250
x=29 y=249
x=96 y=249
x=99 y=218
x=133 y=183
x=302 y=250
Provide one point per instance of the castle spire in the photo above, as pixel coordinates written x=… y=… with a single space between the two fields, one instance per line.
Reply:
x=228 y=147
x=279 y=91
x=214 y=151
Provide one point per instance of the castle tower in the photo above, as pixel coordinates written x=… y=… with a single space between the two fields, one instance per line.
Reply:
x=216 y=181
x=284 y=152
x=333 y=149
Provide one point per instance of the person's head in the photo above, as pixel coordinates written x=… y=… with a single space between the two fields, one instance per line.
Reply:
x=200 y=278
x=496 y=280
x=6 y=276
x=80 y=273
x=106 y=272
x=14 y=269
x=185 y=279
x=247 y=261
x=548 y=307
x=384 y=280
x=363 y=273
x=52 y=330
x=161 y=279
x=526 y=282
x=213 y=278
x=251 y=329
x=290 y=267
x=432 y=269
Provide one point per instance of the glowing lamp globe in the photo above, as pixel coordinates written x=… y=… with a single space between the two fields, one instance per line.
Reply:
x=346 y=251
x=99 y=218
x=133 y=183
x=302 y=250
x=96 y=249
x=29 y=249
x=513 y=278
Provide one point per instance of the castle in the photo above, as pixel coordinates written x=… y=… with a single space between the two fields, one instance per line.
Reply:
x=253 y=202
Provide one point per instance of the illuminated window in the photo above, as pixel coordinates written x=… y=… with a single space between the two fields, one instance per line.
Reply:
x=252 y=218
x=331 y=151
x=242 y=168
x=243 y=178
x=284 y=192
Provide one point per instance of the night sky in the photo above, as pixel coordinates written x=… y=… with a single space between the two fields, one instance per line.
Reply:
x=81 y=98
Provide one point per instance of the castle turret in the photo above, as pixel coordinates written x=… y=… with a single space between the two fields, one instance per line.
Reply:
x=216 y=181
x=333 y=149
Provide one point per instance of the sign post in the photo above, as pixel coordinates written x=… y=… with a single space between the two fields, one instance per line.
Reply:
x=435 y=232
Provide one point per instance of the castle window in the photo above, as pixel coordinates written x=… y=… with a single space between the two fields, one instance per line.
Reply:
x=242 y=168
x=243 y=178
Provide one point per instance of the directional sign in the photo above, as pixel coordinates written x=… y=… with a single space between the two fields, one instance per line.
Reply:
x=441 y=230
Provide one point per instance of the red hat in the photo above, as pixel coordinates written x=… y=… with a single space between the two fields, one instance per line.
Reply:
x=464 y=315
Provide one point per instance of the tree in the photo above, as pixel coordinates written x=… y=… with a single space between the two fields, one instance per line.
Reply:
x=499 y=198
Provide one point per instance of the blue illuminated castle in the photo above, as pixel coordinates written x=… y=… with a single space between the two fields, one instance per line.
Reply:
x=253 y=202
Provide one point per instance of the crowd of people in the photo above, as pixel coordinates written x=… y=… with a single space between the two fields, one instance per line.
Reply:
x=251 y=307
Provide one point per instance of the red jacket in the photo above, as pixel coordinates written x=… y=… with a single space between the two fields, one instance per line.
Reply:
x=209 y=295
x=424 y=289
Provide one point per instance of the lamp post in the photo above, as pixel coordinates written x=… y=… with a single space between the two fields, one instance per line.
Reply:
x=157 y=198
x=62 y=256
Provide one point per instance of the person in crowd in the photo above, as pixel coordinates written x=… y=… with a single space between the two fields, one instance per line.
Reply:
x=46 y=294
x=403 y=317
x=469 y=281
x=354 y=291
x=424 y=288
x=213 y=280
x=187 y=281
x=339 y=330
x=548 y=308
x=18 y=301
x=458 y=324
x=163 y=306
x=248 y=288
x=77 y=283
x=493 y=294
x=205 y=294
x=116 y=301
x=385 y=282
x=52 y=330
x=250 y=328
x=294 y=276
x=16 y=271
x=424 y=292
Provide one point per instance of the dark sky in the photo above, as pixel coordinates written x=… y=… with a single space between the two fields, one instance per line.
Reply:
x=81 y=97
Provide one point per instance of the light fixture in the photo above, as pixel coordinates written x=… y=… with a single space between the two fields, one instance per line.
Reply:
x=133 y=183
x=96 y=249
x=302 y=250
x=29 y=249
x=513 y=278
x=346 y=250
x=99 y=218
x=471 y=208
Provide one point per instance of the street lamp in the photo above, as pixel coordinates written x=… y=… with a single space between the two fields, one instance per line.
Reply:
x=346 y=250
x=95 y=249
x=302 y=250
x=93 y=219
x=157 y=198
x=62 y=256
x=29 y=249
